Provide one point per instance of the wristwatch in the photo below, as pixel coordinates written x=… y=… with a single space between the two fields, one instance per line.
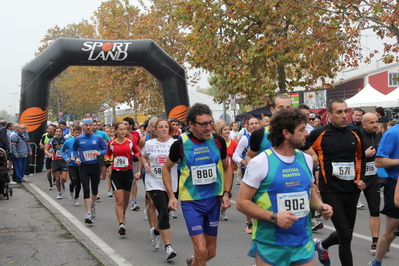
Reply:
x=228 y=192
x=273 y=218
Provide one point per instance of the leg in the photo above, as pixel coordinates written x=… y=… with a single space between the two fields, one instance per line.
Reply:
x=200 y=250
x=57 y=181
x=151 y=210
x=386 y=238
x=260 y=262
x=119 y=200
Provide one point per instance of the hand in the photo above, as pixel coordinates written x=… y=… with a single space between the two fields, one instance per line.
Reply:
x=172 y=205
x=360 y=184
x=97 y=153
x=68 y=160
x=225 y=200
x=370 y=152
x=286 y=219
x=326 y=211
x=137 y=175
x=77 y=161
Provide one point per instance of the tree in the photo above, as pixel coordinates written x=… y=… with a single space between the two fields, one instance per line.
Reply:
x=260 y=48
x=382 y=16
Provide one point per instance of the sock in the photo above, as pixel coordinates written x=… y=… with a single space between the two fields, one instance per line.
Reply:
x=120 y=224
x=93 y=204
x=156 y=232
x=377 y=263
x=320 y=246
x=375 y=239
x=133 y=200
x=167 y=246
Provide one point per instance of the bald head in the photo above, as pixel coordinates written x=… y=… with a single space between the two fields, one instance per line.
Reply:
x=370 y=123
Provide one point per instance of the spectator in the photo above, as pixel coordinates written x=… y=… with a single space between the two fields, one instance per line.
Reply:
x=379 y=112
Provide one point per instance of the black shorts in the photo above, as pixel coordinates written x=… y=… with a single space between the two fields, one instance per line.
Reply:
x=390 y=209
x=122 y=180
x=48 y=163
x=59 y=166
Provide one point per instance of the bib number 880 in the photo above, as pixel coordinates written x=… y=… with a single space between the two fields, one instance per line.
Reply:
x=204 y=173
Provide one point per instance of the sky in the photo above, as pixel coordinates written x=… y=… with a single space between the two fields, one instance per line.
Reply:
x=25 y=22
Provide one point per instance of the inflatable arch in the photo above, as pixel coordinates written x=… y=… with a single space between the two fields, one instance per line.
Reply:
x=64 y=52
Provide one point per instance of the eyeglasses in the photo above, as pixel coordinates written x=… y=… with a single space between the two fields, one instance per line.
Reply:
x=311 y=119
x=205 y=124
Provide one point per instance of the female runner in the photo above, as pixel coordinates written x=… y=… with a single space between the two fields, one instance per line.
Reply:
x=224 y=131
x=123 y=152
x=153 y=157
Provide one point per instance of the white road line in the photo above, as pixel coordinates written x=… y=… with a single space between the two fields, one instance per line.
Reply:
x=93 y=237
x=393 y=245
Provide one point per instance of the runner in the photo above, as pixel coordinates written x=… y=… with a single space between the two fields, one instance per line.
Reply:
x=50 y=130
x=58 y=164
x=224 y=131
x=372 y=192
x=204 y=183
x=122 y=151
x=239 y=157
x=387 y=157
x=86 y=150
x=342 y=164
x=73 y=168
x=282 y=230
x=153 y=156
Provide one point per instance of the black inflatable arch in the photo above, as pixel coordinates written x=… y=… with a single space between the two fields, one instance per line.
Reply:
x=64 y=52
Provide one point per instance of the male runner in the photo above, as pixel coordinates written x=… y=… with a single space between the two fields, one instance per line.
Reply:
x=204 y=184
x=342 y=163
x=278 y=191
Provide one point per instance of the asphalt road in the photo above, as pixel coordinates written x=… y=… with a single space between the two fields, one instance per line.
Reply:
x=109 y=247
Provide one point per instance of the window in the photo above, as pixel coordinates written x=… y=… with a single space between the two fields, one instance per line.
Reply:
x=393 y=79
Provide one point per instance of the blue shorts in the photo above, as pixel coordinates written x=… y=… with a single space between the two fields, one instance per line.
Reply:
x=282 y=255
x=201 y=216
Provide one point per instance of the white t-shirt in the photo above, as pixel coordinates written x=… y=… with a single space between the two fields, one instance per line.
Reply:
x=258 y=167
x=157 y=152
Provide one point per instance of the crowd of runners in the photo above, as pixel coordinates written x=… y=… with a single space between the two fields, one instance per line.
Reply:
x=291 y=170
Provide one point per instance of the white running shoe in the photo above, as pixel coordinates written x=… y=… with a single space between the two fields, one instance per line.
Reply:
x=70 y=196
x=359 y=204
x=145 y=214
x=172 y=215
x=76 y=202
x=93 y=210
x=223 y=216
x=169 y=252
x=122 y=230
x=155 y=239
x=59 y=195
x=88 y=218
x=110 y=194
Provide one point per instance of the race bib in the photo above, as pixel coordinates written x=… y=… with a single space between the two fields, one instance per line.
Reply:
x=90 y=155
x=344 y=171
x=296 y=202
x=121 y=161
x=58 y=154
x=156 y=171
x=370 y=169
x=204 y=174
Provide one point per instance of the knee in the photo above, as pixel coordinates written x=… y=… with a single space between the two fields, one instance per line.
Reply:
x=201 y=253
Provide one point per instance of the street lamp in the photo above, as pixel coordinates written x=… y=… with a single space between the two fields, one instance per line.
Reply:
x=10 y=113
x=13 y=103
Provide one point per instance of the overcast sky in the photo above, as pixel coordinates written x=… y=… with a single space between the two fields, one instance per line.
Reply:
x=25 y=22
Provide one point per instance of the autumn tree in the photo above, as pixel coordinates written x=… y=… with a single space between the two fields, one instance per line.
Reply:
x=382 y=16
x=258 y=48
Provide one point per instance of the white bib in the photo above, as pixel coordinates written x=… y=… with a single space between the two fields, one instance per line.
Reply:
x=344 y=171
x=58 y=154
x=90 y=155
x=121 y=161
x=156 y=171
x=204 y=174
x=370 y=168
x=296 y=202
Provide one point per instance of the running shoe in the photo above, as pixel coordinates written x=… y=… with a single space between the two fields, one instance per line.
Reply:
x=93 y=210
x=248 y=228
x=155 y=239
x=122 y=230
x=145 y=214
x=88 y=218
x=98 y=197
x=316 y=225
x=172 y=215
x=75 y=202
x=317 y=214
x=238 y=182
x=59 y=195
x=373 y=248
x=359 y=204
x=110 y=194
x=223 y=216
x=70 y=196
x=169 y=252
x=189 y=260
x=135 y=206
x=323 y=255
x=14 y=183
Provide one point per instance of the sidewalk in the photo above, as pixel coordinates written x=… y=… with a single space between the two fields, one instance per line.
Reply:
x=31 y=235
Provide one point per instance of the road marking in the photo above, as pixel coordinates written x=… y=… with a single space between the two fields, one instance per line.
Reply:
x=393 y=245
x=88 y=233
